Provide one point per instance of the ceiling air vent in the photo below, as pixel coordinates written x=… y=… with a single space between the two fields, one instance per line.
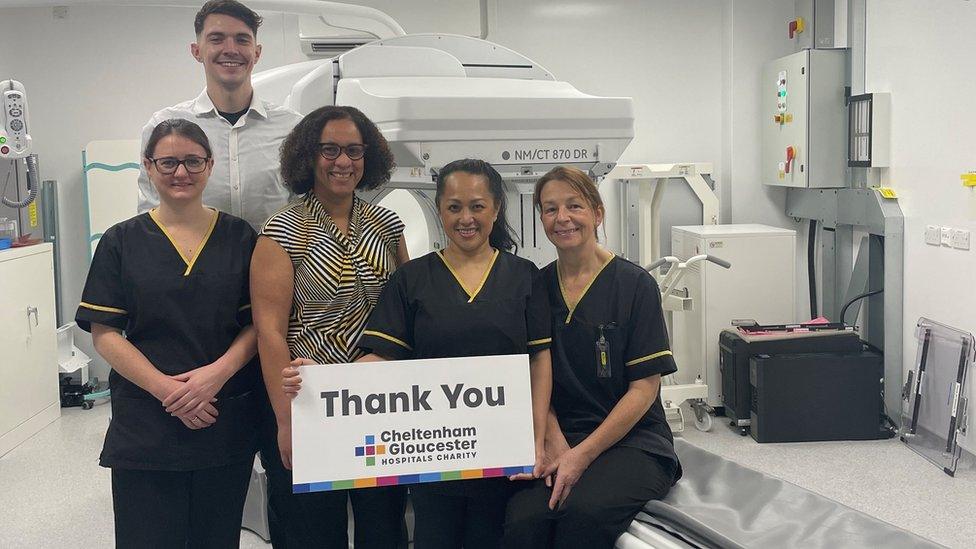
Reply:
x=330 y=47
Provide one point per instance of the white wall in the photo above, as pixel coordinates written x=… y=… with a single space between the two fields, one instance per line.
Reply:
x=101 y=71
x=755 y=34
x=913 y=53
x=666 y=55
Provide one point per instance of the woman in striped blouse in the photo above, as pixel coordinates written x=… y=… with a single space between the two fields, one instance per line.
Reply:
x=318 y=269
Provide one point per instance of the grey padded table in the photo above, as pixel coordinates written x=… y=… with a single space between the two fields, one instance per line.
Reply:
x=721 y=504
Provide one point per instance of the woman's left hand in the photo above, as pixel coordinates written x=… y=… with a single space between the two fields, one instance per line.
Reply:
x=200 y=386
x=568 y=468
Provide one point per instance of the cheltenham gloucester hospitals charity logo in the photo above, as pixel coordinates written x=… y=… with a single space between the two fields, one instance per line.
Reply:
x=370 y=450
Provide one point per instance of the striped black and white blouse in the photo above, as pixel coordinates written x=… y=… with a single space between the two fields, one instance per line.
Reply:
x=338 y=277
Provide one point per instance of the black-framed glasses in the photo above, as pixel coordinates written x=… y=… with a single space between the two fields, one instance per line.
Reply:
x=331 y=151
x=168 y=165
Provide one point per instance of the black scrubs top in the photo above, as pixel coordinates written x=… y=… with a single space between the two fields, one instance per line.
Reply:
x=425 y=312
x=181 y=314
x=623 y=305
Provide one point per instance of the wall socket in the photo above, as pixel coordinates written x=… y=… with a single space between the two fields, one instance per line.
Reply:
x=960 y=239
x=947 y=236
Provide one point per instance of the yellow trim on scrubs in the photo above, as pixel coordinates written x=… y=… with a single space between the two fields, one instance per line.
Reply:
x=562 y=289
x=471 y=295
x=103 y=308
x=189 y=262
x=388 y=338
x=540 y=341
x=648 y=357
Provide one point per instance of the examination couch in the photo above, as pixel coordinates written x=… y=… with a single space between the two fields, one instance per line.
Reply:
x=720 y=504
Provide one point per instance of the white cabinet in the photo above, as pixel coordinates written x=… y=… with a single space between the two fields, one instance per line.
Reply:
x=29 y=397
x=760 y=285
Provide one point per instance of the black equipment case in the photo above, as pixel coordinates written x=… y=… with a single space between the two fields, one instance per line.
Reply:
x=817 y=396
x=736 y=348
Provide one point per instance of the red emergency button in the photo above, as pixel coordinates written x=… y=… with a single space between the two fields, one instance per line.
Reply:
x=4 y=149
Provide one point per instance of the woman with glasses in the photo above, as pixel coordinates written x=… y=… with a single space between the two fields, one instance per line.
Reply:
x=319 y=267
x=168 y=306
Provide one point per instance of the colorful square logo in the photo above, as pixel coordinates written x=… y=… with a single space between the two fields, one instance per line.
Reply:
x=370 y=450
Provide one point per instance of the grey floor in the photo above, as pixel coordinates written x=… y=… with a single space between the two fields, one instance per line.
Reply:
x=55 y=494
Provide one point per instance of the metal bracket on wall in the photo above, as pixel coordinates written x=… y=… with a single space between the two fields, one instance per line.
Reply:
x=864 y=210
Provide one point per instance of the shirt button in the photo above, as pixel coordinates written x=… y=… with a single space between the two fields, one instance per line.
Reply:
x=235 y=187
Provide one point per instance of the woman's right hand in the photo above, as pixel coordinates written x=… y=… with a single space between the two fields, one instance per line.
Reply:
x=200 y=419
x=555 y=448
x=291 y=382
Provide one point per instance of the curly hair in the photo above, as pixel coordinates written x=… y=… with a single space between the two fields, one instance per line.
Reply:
x=300 y=150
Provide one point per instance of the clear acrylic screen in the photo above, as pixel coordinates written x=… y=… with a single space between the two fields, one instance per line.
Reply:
x=927 y=422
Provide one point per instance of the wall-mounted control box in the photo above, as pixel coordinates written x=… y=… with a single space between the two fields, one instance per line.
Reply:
x=804 y=120
x=825 y=24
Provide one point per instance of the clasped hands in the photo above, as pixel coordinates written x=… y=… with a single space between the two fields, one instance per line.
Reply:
x=190 y=396
x=560 y=466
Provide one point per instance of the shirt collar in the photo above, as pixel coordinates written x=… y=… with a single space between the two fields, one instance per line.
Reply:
x=204 y=105
x=318 y=211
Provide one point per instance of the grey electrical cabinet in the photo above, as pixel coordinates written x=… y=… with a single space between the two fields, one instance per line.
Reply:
x=825 y=23
x=804 y=120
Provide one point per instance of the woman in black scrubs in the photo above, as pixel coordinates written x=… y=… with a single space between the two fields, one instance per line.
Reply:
x=474 y=298
x=610 y=446
x=167 y=304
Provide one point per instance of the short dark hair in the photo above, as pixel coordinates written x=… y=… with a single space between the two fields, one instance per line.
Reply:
x=233 y=8
x=300 y=150
x=502 y=237
x=177 y=126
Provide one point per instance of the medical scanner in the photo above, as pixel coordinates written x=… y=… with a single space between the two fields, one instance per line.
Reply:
x=437 y=98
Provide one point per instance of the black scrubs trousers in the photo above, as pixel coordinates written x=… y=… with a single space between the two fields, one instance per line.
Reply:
x=614 y=335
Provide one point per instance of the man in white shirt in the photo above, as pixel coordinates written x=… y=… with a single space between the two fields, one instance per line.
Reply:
x=245 y=132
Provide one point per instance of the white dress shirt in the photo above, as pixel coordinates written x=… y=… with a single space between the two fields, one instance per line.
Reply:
x=246 y=179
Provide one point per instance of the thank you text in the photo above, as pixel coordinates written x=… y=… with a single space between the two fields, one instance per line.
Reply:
x=405 y=422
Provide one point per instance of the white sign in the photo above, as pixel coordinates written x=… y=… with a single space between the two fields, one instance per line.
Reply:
x=410 y=421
